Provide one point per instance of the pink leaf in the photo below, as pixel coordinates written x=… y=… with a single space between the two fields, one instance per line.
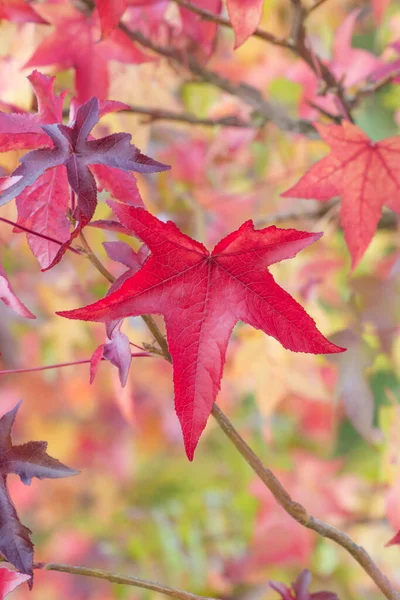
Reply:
x=75 y=43
x=9 y=580
x=43 y=208
x=364 y=173
x=245 y=16
x=353 y=384
x=9 y=298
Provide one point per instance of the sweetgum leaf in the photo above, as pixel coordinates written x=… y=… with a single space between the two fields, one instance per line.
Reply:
x=364 y=173
x=28 y=460
x=202 y=295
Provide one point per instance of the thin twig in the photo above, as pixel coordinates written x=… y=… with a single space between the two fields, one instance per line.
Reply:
x=156 y=114
x=388 y=220
x=316 y=5
x=148 y=319
x=247 y=93
x=121 y=579
x=40 y=235
x=299 y=513
x=61 y=365
x=94 y=260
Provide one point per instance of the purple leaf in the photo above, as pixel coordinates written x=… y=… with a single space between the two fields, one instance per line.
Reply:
x=28 y=460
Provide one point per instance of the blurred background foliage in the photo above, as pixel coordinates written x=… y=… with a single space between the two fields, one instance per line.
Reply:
x=139 y=507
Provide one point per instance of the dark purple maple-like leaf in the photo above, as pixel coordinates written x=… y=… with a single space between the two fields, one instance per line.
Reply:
x=299 y=589
x=72 y=148
x=27 y=460
x=202 y=295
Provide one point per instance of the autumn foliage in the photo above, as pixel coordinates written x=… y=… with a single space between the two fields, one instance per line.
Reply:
x=198 y=208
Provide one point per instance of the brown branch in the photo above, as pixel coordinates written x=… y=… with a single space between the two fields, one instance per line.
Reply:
x=37 y=234
x=316 y=5
x=299 y=513
x=148 y=319
x=388 y=220
x=121 y=579
x=248 y=94
x=296 y=43
x=156 y=114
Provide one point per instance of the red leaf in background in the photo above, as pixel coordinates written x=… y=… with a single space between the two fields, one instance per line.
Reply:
x=43 y=206
x=197 y=29
x=379 y=7
x=353 y=385
x=202 y=295
x=245 y=16
x=315 y=483
x=299 y=589
x=76 y=44
x=364 y=173
x=19 y=11
x=110 y=12
x=394 y=541
x=9 y=298
x=350 y=65
x=28 y=460
x=9 y=580
x=23 y=131
x=73 y=148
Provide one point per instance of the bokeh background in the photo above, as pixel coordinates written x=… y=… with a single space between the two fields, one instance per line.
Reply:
x=138 y=506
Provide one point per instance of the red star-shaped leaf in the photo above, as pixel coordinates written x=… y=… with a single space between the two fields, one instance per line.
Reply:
x=202 y=295
x=28 y=460
x=76 y=44
x=364 y=173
